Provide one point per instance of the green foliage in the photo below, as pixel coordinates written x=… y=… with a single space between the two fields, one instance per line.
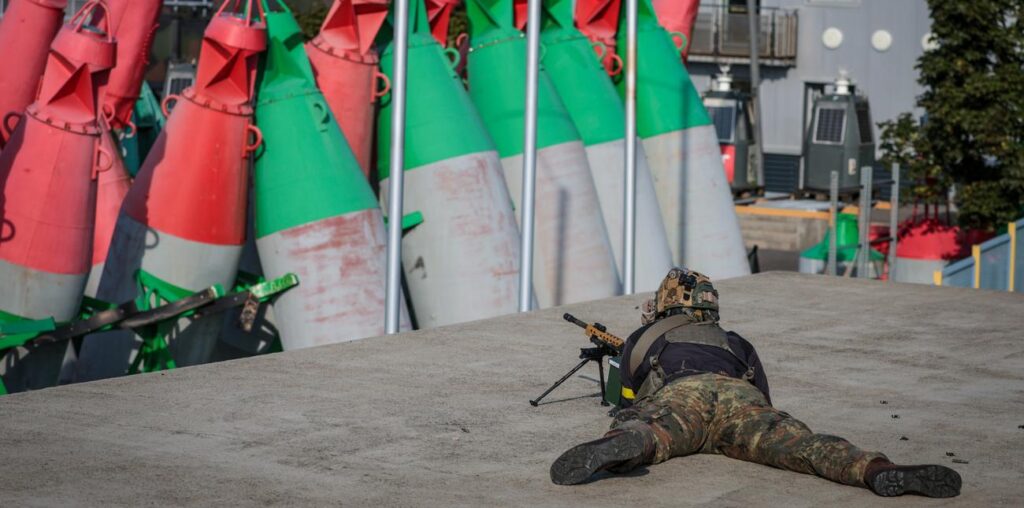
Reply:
x=310 y=18
x=902 y=142
x=974 y=101
x=458 y=24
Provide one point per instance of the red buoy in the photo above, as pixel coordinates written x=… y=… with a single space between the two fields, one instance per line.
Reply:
x=27 y=28
x=345 y=65
x=112 y=184
x=439 y=15
x=133 y=23
x=48 y=193
x=678 y=16
x=184 y=220
x=599 y=21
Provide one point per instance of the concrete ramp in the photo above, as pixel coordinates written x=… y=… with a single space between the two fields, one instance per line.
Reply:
x=440 y=417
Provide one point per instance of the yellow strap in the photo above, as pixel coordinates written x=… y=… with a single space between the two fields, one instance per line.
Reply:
x=627 y=393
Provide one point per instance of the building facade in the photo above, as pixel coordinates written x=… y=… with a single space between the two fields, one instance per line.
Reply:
x=805 y=45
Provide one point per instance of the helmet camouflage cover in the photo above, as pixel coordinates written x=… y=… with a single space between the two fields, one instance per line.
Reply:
x=682 y=288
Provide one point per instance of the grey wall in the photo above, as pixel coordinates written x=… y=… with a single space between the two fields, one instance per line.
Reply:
x=888 y=78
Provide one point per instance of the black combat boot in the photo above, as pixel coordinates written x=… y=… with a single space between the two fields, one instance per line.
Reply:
x=619 y=450
x=887 y=479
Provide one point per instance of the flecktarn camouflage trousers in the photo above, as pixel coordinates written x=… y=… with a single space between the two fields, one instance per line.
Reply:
x=711 y=413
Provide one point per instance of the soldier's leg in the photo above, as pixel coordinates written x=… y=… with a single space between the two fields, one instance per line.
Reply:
x=768 y=436
x=675 y=419
x=671 y=423
x=747 y=428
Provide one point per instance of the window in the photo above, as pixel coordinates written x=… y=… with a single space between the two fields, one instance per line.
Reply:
x=724 y=118
x=830 y=126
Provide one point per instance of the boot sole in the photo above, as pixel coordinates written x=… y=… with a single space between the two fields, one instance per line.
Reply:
x=930 y=481
x=577 y=464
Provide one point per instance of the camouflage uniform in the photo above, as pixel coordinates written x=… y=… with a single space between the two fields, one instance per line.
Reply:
x=690 y=387
x=711 y=413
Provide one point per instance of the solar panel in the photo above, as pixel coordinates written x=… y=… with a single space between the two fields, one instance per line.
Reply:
x=830 y=125
x=864 y=123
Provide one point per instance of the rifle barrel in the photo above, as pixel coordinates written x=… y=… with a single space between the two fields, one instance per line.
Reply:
x=572 y=319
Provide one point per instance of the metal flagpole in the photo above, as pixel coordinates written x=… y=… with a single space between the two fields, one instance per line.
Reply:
x=396 y=184
x=529 y=156
x=833 y=217
x=754 y=19
x=894 y=212
x=629 y=238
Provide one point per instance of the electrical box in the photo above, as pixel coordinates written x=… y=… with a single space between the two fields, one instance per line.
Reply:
x=731 y=113
x=839 y=138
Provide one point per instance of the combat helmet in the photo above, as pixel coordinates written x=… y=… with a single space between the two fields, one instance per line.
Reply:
x=684 y=289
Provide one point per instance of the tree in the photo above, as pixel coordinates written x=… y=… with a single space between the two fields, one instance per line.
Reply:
x=310 y=17
x=974 y=102
x=902 y=141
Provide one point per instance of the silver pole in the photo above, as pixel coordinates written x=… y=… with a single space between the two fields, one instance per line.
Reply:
x=894 y=211
x=755 y=86
x=396 y=182
x=864 y=251
x=629 y=223
x=833 y=242
x=529 y=156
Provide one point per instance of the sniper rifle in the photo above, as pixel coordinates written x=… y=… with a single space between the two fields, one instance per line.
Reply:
x=606 y=344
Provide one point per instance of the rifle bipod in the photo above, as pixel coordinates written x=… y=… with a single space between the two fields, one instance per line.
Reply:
x=587 y=355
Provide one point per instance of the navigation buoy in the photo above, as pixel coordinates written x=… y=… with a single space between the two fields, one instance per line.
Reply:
x=684 y=156
x=315 y=214
x=26 y=30
x=112 y=186
x=597 y=111
x=574 y=258
x=48 y=178
x=183 y=221
x=345 y=62
x=439 y=15
x=678 y=17
x=599 y=21
x=462 y=262
x=133 y=23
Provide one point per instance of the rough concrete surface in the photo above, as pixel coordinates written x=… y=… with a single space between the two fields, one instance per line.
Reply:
x=440 y=417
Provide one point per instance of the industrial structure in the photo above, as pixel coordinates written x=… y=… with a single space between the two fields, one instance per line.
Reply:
x=805 y=45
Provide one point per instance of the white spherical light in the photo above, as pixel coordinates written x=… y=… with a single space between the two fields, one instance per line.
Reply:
x=881 y=40
x=928 y=42
x=832 y=37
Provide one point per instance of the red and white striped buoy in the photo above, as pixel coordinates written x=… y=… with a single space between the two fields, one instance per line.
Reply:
x=48 y=181
x=184 y=219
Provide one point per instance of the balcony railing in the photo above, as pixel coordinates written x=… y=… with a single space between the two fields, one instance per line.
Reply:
x=722 y=35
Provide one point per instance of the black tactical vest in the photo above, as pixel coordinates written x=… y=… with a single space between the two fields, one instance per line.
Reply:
x=676 y=329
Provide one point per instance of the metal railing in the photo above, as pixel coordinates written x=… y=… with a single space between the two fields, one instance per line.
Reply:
x=993 y=264
x=722 y=35
x=862 y=260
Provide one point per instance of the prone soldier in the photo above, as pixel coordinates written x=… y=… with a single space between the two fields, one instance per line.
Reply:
x=691 y=387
